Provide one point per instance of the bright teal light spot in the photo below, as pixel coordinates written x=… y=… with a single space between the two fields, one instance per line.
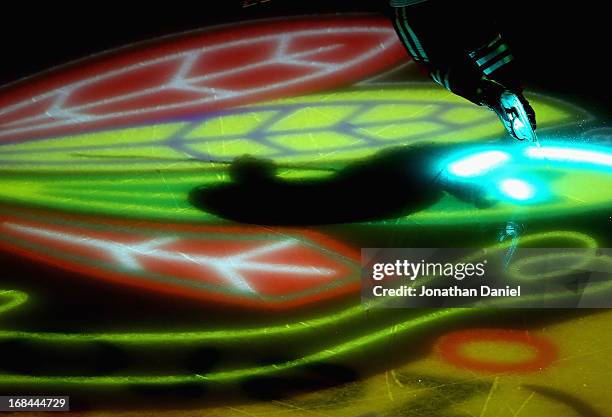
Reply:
x=478 y=164
x=566 y=154
x=517 y=189
x=518 y=174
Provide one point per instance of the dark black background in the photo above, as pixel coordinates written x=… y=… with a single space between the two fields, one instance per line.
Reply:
x=563 y=46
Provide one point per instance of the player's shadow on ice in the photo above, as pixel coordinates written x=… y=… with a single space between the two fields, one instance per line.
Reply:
x=393 y=183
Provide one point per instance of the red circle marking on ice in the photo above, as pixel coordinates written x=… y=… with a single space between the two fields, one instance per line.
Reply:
x=184 y=75
x=450 y=348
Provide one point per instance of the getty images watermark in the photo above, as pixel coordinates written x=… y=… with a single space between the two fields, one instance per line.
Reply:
x=522 y=278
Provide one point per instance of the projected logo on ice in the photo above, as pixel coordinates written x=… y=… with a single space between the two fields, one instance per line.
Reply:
x=330 y=128
x=97 y=160
x=129 y=134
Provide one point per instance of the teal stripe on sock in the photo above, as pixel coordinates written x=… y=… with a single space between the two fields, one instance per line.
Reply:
x=498 y=65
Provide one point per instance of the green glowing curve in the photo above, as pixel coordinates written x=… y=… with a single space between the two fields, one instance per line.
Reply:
x=234 y=375
x=16 y=299
x=242 y=334
x=551 y=296
x=584 y=260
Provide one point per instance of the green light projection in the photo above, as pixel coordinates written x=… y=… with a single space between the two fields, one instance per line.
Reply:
x=146 y=172
x=333 y=126
x=349 y=316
